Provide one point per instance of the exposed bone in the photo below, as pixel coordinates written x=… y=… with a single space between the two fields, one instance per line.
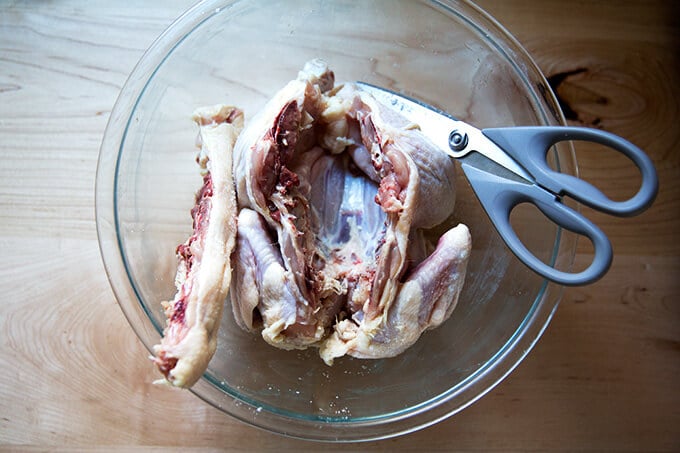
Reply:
x=344 y=187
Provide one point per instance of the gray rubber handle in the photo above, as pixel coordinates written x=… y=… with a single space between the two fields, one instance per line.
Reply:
x=529 y=147
x=499 y=196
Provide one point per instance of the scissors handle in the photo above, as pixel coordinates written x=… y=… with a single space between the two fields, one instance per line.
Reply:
x=529 y=147
x=499 y=196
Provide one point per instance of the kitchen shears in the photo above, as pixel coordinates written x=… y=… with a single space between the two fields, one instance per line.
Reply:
x=508 y=166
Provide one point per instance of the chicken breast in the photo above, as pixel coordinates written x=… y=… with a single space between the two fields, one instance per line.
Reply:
x=337 y=192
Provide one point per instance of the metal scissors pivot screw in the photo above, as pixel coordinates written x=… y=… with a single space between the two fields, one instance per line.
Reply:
x=457 y=140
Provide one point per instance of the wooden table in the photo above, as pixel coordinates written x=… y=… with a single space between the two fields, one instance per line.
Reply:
x=605 y=376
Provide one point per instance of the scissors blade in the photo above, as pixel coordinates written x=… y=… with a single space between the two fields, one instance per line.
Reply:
x=438 y=125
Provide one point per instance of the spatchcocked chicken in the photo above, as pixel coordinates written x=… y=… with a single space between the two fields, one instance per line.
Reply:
x=336 y=194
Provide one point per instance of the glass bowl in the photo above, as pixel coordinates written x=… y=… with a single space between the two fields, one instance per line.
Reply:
x=447 y=53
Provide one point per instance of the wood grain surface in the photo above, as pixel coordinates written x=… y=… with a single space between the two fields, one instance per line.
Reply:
x=605 y=375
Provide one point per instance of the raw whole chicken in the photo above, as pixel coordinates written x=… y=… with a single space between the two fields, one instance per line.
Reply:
x=204 y=270
x=336 y=193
